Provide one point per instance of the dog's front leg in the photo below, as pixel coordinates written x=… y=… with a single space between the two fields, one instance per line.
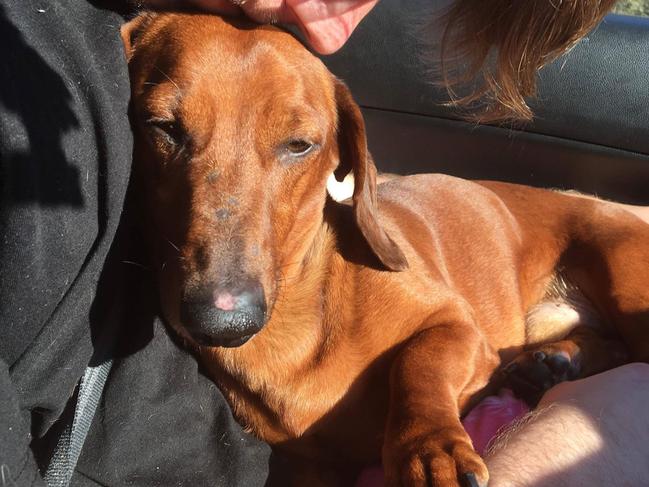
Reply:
x=431 y=380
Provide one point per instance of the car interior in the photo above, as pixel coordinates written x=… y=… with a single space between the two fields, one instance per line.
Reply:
x=590 y=131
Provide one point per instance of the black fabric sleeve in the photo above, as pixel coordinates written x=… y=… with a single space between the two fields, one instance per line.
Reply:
x=65 y=160
x=65 y=164
x=161 y=422
x=17 y=464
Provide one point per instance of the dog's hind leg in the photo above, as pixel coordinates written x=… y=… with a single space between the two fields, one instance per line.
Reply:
x=610 y=264
x=583 y=352
x=567 y=338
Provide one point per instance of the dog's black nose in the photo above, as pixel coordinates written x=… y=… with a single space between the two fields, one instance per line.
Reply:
x=224 y=316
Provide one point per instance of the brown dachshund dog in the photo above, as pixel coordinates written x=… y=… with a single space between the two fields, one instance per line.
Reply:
x=344 y=333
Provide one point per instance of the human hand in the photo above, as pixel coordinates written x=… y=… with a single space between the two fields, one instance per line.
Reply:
x=326 y=24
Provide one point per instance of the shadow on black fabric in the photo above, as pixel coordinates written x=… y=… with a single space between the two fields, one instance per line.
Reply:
x=40 y=174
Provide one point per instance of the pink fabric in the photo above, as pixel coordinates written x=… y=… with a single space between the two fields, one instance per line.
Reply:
x=492 y=414
x=482 y=424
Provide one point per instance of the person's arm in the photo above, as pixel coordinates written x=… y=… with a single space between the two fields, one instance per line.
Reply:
x=589 y=432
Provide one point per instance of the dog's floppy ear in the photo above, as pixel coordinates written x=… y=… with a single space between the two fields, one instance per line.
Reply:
x=352 y=146
x=130 y=31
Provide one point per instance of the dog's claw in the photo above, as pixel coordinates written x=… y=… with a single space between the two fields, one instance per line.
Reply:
x=469 y=480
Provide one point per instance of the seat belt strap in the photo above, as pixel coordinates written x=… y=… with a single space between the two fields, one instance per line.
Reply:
x=68 y=448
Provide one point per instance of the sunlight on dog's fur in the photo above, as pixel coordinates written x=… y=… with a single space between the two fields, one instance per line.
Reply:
x=356 y=328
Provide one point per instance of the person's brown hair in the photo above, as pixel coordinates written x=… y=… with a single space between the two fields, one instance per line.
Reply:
x=499 y=45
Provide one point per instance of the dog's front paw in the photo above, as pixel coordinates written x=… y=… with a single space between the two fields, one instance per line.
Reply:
x=435 y=460
x=533 y=372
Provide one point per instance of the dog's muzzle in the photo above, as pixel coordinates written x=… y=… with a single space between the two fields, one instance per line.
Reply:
x=224 y=317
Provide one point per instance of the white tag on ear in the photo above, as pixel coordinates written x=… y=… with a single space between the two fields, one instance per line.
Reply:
x=342 y=190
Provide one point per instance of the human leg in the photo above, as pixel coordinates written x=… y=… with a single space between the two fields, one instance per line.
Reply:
x=588 y=432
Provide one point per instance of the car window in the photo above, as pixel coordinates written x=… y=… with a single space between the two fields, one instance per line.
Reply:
x=633 y=7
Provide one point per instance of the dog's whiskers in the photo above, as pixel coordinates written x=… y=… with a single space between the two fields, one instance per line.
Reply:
x=173 y=245
x=168 y=77
x=136 y=264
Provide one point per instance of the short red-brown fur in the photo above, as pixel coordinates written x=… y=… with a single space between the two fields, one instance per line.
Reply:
x=388 y=314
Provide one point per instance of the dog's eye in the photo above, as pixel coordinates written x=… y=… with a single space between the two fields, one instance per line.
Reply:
x=298 y=147
x=168 y=130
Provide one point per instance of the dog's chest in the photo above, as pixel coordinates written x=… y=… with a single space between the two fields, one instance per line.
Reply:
x=334 y=410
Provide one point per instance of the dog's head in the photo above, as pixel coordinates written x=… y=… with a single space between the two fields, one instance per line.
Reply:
x=237 y=129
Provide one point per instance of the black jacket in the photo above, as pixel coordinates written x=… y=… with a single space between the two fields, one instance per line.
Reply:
x=72 y=292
